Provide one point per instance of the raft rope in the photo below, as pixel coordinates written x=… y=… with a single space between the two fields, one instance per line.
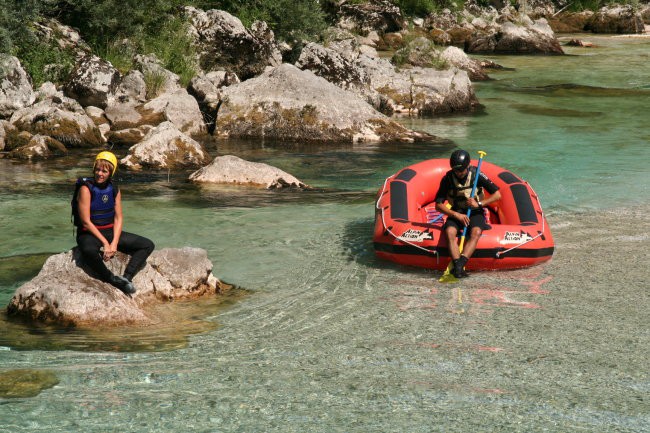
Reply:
x=500 y=253
x=383 y=221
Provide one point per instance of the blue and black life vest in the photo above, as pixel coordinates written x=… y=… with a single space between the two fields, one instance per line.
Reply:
x=102 y=203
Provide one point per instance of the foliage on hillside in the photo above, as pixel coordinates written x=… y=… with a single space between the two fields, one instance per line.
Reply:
x=116 y=29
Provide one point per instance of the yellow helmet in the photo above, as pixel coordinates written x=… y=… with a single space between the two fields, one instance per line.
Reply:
x=107 y=156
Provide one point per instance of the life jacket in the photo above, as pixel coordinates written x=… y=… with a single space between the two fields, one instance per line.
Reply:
x=460 y=191
x=102 y=203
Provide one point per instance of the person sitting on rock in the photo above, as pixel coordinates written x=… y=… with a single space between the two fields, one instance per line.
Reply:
x=99 y=218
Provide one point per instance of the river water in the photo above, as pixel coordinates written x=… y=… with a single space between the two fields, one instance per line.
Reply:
x=322 y=336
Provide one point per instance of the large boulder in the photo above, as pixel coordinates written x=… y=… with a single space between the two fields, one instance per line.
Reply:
x=522 y=37
x=334 y=67
x=421 y=91
x=38 y=147
x=66 y=293
x=381 y=16
x=417 y=91
x=225 y=44
x=287 y=103
x=92 y=81
x=166 y=147
x=234 y=170
x=570 y=22
x=454 y=56
x=60 y=118
x=205 y=88
x=16 y=90
x=616 y=19
x=179 y=108
x=65 y=37
x=485 y=30
x=131 y=120
x=338 y=65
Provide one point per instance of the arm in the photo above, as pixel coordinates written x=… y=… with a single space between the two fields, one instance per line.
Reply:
x=489 y=186
x=84 y=214
x=117 y=223
x=441 y=197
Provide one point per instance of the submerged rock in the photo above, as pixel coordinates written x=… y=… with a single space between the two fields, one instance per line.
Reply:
x=65 y=293
x=231 y=169
x=23 y=383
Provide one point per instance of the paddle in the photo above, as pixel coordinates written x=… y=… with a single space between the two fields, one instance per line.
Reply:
x=447 y=276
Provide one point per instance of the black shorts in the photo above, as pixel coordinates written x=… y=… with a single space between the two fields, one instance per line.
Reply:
x=476 y=219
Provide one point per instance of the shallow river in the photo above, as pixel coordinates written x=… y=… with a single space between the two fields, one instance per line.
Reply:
x=324 y=337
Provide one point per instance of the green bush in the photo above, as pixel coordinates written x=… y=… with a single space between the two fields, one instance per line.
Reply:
x=46 y=62
x=173 y=46
x=419 y=8
x=16 y=17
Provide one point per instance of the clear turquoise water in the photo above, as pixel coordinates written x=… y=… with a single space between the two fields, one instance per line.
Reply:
x=331 y=339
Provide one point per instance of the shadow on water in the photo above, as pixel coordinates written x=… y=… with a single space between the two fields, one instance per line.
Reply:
x=554 y=112
x=359 y=248
x=577 y=90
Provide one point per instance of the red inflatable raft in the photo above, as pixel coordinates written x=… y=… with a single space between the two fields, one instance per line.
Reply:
x=408 y=229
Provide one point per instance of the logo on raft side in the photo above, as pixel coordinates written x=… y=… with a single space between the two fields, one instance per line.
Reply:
x=413 y=235
x=515 y=238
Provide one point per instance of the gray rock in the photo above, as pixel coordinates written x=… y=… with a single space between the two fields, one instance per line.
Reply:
x=332 y=66
x=457 y=57
x=381 y=16
x=132 y=87
x=61 y=119
x=129 y=114
x=65 y=37
x=206 y=89
x=3 y=134
x=16 y=90
x=524 y=37
x=166 y=147
x=38 y=147
x=128 y=136
x=231 y=169
x=92 y=82
x=179 y=108
x=225 y=44
x=616 y=19
x=65 y=293
x=421 y=91
x=290 y=104
x=163 y=80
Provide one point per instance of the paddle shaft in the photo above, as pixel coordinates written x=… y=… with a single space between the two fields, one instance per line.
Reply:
x=474 y=185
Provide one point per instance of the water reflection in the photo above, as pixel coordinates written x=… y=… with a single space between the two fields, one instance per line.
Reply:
x=174 y=323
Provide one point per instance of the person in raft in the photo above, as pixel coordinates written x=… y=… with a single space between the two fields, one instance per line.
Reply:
x=99 y=219
x=456 y=187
